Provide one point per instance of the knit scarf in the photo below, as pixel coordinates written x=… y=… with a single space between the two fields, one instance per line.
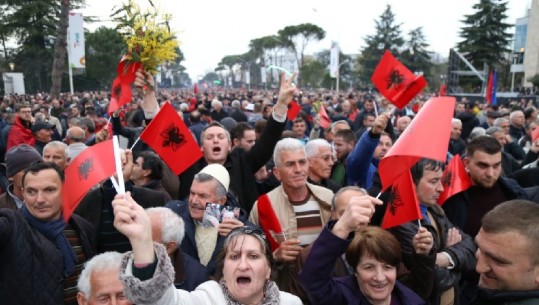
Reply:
x=54 y=231
x=271 y=294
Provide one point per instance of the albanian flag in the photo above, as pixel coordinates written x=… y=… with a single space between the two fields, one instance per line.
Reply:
x=121 y=86
x=324 y=119
x=455 y=179
x=395 y=82
x=402 y=206
x=93 y=165
x=268 y=220
x=170 y=138
x=293 y=110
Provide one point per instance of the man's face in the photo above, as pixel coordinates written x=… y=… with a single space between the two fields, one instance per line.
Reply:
x=484 y=169
x=293 y=169
x=44 y=135
x=56 y=155
x=460 y=108
x=321 y=164
x=368 y=106
x=42 y=194
x=504 y=262
x=342 y=148
x=430 y=186
x=138 y=173
x=505 y=126
x=215 y=145
x=106 y=288
x=200 y=194
x=25 y=114
x=402 y=123
x=456 y=130
x=500 y=137
x=75 y=111
x=518 y=119
x=248 y=140
x=368 y=121
x=299 y=129
x=383 y=147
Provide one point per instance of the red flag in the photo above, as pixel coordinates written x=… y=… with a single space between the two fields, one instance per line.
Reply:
x=268 y=220
x=170 y=138
x=455 y=179
x=324 y=119
x=195 y=89
x=395 y=82
x=402 y=205
x=120 y=95
x=293 y=110
x=426 y=137
x=443 y=90
x=490 y=85
x=93 y=165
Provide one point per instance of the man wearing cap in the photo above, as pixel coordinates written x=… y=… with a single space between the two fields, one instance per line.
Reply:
x=203 y=241
x=42 y=132
x=491 y=116
x=18 y=158
x=20 y=131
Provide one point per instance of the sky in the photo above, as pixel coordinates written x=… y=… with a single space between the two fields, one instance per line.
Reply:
x=208 y=30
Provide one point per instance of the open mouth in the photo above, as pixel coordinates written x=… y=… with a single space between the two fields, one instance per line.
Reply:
x=216 y=149
x=243 y=281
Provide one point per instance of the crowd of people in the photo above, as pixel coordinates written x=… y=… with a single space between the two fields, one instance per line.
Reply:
x=277 y=210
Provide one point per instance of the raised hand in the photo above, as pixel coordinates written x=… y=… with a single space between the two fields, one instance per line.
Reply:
x=286 y=93
x=358 y=214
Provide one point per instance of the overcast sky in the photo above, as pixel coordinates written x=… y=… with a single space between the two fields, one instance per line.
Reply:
x=210 y=29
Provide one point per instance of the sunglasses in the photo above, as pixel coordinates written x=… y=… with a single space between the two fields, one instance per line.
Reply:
x=250 y=230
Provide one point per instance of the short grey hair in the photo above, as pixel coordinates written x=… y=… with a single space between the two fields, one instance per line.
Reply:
x=493 y=130
x=345 y=189
x=514 y=113
x=312 y=148
x=216 y=102
x=102 y=262
x=220 y=189
x=286 y=144
x=57 y=144
x=476 y=132
x=236 y=104
x=184 y=107
x=499 y=121
x=172 y=226
x=455 y=120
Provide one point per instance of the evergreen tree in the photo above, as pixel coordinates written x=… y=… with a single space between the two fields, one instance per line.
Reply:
x=485 y=36
x=387 y=37
x=416 y=57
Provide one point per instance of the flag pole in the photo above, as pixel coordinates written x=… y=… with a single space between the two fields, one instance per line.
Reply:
x=136 y=141
x=118 y=161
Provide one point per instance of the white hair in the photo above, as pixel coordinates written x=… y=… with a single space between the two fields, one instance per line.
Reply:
x=57 y=144
x=286 y=144
x=216 y=102
x=456 y=121
x=172 y=226
x=102 y=262
x=312 y=148
x=513 y=114
x=236 y=104
x=499 y=121
x=184 y=107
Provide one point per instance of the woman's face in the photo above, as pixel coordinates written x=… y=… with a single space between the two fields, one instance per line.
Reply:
x=246 y=269
x=376 y=279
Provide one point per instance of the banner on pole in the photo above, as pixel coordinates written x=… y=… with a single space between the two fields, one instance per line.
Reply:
x=75 y=41
x=334 y=61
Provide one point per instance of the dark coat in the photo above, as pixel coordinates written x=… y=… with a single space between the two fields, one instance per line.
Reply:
x=131 y=133
x=188 y=272
x=31 y=268
x=7 y=202
x=241 y=166
x=457 y=207
x=496 y=297
x=323 y=289
x=189 y=245
x=462 y=253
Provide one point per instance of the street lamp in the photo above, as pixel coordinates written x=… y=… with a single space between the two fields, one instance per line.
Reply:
x=12 y=66
x=339 y=73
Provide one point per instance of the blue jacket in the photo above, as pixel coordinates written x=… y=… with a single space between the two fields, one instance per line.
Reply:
x=316 y=279
x=360 y=165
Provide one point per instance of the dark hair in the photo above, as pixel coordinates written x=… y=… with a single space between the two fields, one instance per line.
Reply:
x=38 y=166
x=194 y=117
x=238 y=131
x=375 y=242
x=152 y=162
x=19 y=106
x=260 y=125
x=423 y=164
x=346 y=134
x=232 y=239
x=518 y=216
x=298 y=119
x=486 y=144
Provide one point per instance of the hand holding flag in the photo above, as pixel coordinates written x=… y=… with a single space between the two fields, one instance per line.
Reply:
x=402 y=206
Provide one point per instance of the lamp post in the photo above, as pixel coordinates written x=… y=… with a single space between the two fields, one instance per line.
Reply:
x=339 y=74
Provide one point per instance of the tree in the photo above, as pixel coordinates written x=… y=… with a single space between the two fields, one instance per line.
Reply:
x=297 y=37
x=104 y=49
x=484 y=34
x=534 y=80
x=387 y=37
x=416 y=57
x=60 y=49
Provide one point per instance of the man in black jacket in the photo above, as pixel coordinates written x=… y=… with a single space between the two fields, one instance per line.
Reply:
x=216 y=145
x=41 y=255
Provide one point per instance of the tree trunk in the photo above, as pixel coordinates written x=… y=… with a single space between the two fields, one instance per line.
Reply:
x=60 y=50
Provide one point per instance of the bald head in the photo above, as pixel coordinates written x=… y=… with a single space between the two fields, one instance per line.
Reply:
x=75 y=134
